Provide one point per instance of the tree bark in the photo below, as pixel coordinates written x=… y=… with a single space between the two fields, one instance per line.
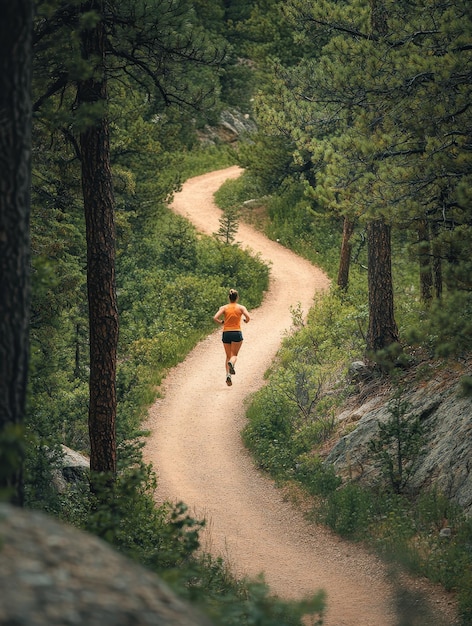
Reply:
x=345 y=256
x=424 y=256
x=437 y=262
x=100 y=231
x=15 y=184
x=382 y=330
x=378 y=18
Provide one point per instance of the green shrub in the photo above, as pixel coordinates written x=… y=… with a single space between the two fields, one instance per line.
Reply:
x=240 y=602
x=126 y=516
x=444 y=327
x=205 y=159
x=233 y=267
x=397 y=447
x=433 y=510
x=319 y=479
x=178 y=246
x=348 y=511
x=463 y=582
x=235 y=192
x=311 y=434
x=267 y=433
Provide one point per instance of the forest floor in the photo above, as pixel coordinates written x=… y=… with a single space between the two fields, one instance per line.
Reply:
x=196 y=450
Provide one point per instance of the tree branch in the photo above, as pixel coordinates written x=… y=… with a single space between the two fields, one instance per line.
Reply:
x=55 y=87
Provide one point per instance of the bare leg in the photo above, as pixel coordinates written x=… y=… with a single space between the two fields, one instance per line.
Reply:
x=227 y=347
x=234 y=350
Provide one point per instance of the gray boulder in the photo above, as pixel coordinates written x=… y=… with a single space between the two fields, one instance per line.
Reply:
x=230 y=128
x=52 y=574
x=72 y=468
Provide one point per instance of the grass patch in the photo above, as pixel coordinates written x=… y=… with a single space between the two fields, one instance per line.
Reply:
x=206 y=159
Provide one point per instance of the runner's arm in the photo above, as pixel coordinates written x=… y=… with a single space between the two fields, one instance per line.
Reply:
x=217 y=315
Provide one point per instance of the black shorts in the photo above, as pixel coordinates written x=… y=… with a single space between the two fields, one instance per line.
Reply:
x=232 y=335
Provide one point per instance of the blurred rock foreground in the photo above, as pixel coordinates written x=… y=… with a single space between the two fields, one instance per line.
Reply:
x=53 y=574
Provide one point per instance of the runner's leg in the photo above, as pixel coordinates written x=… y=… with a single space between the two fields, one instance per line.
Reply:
x=227 y=347
x=234 y=350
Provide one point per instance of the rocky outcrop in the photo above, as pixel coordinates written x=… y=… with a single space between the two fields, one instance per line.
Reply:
x=72 y=468
x=231 y=127
x=446 y=416
x=52 y=574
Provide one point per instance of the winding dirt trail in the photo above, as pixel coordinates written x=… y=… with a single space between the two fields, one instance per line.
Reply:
x=196 y=449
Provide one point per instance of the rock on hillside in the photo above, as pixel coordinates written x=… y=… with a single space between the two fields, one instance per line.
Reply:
x=52 y=574
x=446 y=463
x=230 y=128
x=73 y=467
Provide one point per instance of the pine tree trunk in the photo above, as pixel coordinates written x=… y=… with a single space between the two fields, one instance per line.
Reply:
x=382 y=330
x=345 y=256
x=100 y=232
x=424 y=255
x=15 y=183
x=378 y=17
x=437 y=263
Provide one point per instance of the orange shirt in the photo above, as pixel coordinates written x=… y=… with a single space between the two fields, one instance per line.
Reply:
x=233 y=314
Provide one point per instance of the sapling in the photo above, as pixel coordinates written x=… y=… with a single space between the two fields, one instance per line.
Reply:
x=398 y=444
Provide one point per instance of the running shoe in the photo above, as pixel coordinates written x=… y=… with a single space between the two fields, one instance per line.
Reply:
x=228 y=380
x=231 y=368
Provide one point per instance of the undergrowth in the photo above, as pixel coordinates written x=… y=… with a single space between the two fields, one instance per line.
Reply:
x=206 y=159
x=166 y=540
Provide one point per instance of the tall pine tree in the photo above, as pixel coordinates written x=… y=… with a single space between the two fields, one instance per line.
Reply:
x=161 y=48
x=15 y=181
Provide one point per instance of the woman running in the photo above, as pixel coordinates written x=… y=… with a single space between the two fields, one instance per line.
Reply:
x=232 y=335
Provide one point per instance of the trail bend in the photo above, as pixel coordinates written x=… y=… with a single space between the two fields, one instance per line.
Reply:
x=196 y=449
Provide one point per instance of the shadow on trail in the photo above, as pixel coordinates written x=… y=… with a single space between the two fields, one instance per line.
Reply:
x=412 y=606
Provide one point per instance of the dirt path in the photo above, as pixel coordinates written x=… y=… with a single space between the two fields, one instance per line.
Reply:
x=196 y=448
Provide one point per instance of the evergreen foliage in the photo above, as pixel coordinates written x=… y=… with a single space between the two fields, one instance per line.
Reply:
x=362 y=115
x=229 y=224
x=373 y=110
x=397 y=447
